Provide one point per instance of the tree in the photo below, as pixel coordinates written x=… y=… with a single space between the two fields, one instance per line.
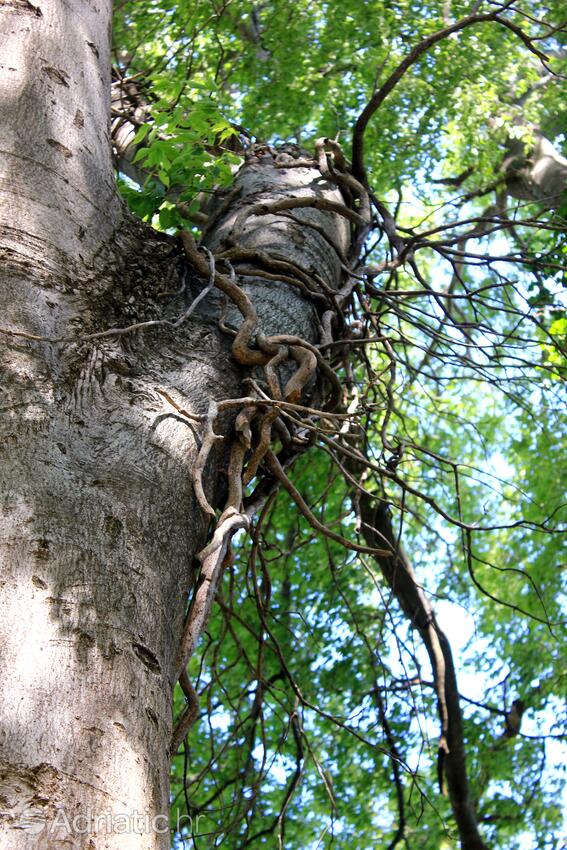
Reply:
x=352 y=352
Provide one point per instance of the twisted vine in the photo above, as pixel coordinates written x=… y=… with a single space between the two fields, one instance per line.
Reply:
x=252 y=348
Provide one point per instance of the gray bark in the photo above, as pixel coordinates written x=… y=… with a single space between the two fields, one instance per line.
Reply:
x=539 y=175
x=129 y=109
x=93 y=578
x=99 y=523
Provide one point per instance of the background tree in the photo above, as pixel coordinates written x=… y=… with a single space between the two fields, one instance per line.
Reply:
x=358 y=365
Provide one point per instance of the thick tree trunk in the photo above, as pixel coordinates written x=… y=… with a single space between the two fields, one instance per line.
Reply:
x=99 y=521
x=93 y=573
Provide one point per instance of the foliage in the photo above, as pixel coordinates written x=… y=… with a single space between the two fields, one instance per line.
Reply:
x=318 y=720
x=177 y=144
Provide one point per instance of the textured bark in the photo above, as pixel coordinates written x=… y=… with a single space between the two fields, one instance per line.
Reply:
x=98 y=520
x=92 y=576
x=265 y=180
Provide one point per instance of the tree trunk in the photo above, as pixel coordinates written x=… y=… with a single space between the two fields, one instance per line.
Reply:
x=93 y=567
x=539 y=175
x=99 y=521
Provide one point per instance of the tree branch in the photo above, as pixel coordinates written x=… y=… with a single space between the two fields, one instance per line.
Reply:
x=399 y=574
x=380 y=96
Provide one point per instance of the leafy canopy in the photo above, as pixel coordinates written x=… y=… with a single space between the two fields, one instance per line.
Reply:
x=318 y=716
